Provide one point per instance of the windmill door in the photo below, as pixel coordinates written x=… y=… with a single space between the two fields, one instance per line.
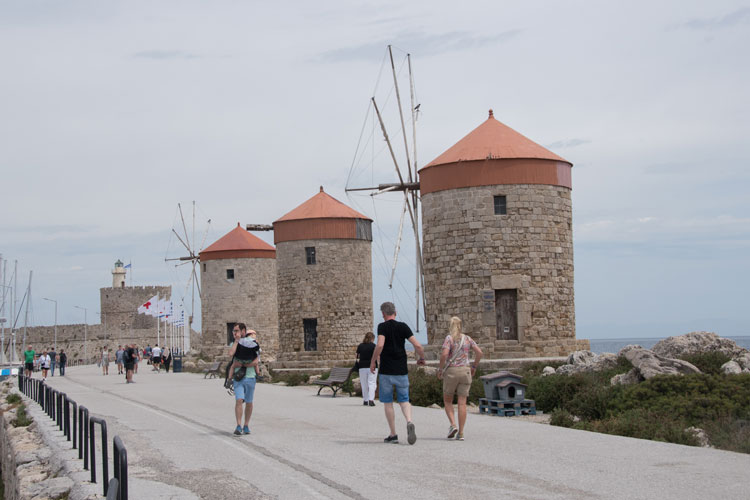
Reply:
x=506 y=314
x=311 y=334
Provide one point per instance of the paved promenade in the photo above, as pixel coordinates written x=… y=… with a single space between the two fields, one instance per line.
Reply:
x=178 y=432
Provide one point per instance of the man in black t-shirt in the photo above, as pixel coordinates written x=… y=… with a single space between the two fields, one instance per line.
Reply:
x=393 y=370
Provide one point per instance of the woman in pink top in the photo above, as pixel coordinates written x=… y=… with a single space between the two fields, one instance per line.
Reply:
x=456 y=373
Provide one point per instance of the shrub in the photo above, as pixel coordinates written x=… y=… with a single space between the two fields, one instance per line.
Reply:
x=22 y=418
x=291 y=378
x=644 y=424
x=562 y=418
x=729 y=434
x=13 y=398
x=707 y=362
x=424 y=389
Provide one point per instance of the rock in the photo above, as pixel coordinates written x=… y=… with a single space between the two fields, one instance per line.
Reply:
x=313 y=378
x=548 y=370
x=189 y=366
x=627 y=348
x=53 y=488
x=435 y=406
x=357 y=385
x=579 y=357
x=632 y=377
x=744 y=361
x=650 y=364
x=700 y=435
x=201 y=364
x=731 y=368
x=429 y=370
x=586 y=363
x=697 y=342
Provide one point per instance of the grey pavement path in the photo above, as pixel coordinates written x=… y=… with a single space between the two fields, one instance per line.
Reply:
x=178 y=432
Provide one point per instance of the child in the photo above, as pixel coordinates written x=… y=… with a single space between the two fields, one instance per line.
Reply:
x=245 y=354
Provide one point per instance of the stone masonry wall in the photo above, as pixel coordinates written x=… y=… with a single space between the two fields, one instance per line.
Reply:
x=469 y=252
x=337 y=290
x=249 y=298
x=119 y=307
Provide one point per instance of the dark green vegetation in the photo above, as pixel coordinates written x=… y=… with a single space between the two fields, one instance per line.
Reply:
x=13 y=398
x=661 y=408
x=22 y=418
x=291 y=379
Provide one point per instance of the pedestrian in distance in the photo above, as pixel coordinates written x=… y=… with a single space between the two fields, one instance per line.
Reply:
x=367 y=380
x=243 y=378
x=136 y=358
x=105 y=361
x=156 y=358
x=394 y=372
x=53 y=358
x=457 y=372
x=28 y=357
x=129 y=362
x=63 y=362
x=166 y=360
x=118 y=359
x=44 y=364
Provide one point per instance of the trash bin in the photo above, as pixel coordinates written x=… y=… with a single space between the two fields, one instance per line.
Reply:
x=177 y=363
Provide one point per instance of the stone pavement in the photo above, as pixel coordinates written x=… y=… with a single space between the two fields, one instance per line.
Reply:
x=178 y=432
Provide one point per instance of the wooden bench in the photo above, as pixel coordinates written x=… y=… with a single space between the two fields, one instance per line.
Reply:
x=213 y=371
x=335 y=380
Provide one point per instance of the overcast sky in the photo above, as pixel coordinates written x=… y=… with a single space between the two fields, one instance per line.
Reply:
x=113 y=112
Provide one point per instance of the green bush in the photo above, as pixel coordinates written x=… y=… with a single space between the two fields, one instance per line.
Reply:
x=13 y=398
x=291 y=378
x=22 y=418
x=562 y=418
x=643 y=424
x=707 y=362
x=424 y=389
x=729 y=434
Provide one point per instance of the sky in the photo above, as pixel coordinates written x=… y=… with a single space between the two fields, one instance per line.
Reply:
x=115 y=112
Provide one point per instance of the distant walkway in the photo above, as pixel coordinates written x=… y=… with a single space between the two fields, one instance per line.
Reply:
x=177 y=429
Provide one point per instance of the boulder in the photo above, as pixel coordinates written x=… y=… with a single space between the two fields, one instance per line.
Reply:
x=189 y=366
x=699 y=435
x=632 y=377
x=697 y=342
x=731 y=368
x=585 y=363
x=744 y=361
x=429 y=370
x=627 y=348
x=650 y=364
x=548 y=370
x=313 y=378
x=357 y=384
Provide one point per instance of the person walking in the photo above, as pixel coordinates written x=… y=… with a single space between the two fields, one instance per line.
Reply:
x=118 y=359
x=28 y=357
x=129 y=361
x=105 y=361
x=63 y=362
x=367 y=380
x=53 y=358
x=457 y=373
x=244 y=388
x=44 y=363
x=394 y=372
x=156 y=358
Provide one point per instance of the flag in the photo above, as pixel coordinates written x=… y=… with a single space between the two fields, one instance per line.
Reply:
x=149 y=306
x=128 y=266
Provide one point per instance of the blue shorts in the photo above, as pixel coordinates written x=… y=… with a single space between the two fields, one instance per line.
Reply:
x=244 y=389
x=388 y=382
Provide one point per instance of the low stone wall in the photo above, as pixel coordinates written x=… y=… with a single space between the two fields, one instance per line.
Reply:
x=30 y=469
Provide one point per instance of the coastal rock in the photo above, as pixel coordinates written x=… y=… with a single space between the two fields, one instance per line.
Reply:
x=629 y=347
x=632 y=377
x=744 y=361
x=700 y=435
x=548 y=370
x=435 y=406
x=650 y=364
x=585 y=363
x=697 y=342
x=731 y=368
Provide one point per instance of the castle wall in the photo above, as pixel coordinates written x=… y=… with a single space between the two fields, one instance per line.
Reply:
x=337 y=291
x=119 y=307
x=250 y=297
x=469 y=253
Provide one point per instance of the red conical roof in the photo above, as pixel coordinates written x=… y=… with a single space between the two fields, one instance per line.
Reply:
x=238 y=243
x=493 y=140
x=322 y=206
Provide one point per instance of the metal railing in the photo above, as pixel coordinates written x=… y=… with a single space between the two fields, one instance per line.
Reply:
x=57 y=405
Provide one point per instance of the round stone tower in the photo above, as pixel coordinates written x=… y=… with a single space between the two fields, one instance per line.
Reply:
x=238 y=284
x=118 y=275
x=498 y=244
x=324 y=279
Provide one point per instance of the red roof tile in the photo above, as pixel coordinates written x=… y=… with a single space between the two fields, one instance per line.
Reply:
x=238 y=239
x=493 y=140
x=322 y=206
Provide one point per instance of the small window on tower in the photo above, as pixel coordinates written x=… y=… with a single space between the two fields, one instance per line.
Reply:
x=204 y=267
x=230 y=274
x=310 y=253
x=501 y=207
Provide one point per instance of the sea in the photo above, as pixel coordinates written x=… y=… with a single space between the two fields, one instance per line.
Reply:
x=599 y=346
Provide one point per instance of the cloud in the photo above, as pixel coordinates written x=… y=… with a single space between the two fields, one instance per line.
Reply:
x=717 y=23
x=165 y=54
x=418 y=43
x=76 y=268
x=48 y=229
x=570 y=143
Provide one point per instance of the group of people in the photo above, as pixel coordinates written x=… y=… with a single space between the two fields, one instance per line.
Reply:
x=383 y=362
x=47 y=361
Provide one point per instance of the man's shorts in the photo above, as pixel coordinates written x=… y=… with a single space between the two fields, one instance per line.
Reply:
x=156 y=360
x=388 y=382
x=244 y=389
x=457 y=380
x=30 y=366
x=129 y=366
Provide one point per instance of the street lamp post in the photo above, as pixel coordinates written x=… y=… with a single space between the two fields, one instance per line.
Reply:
x=85 y=326
x=51 y=300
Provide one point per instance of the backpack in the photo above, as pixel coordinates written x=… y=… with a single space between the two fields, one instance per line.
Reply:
x=127 y=356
